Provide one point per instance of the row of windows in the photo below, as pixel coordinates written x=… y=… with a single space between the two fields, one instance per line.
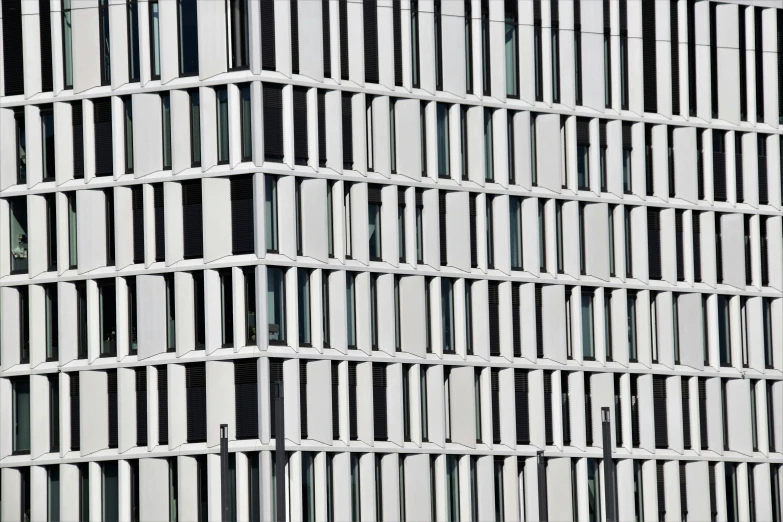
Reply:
x=742 y=154
x=459 y=316
x=479 y=404
x=549 y=37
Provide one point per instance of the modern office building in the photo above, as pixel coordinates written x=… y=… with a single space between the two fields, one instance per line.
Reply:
x=452 y=232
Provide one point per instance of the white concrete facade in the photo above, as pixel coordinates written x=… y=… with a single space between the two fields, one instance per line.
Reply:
x=454 y=229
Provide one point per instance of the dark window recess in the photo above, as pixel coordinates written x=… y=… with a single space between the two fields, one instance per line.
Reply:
x=649 y=169
x=304 y=433
x=275 y=379
x=700 y=162
x=703 y=412
x=246 y=398
x=242 y=228
x=691 y=24
x=75 y=417
x=748 y=260
x=780 y=66
x=141 y=406
x=493 y=298
x=163 y=404
x=327 y=38
x=45 y=26
x=649 y=57
x=635 y=435
x=12 y=47
x=380 y=419
x=674 y=24
x=370 y=41
x=352 y=408
x=683 y=492
x=671 y=165
x=618 y=411
x=268 y=61
x=442 y=227
x=342 y=8
x=713 y=494
x=192 y=220
x=588 y=409
x=137 y=216
x=719 y=164
x=196 y=397
x=111 y=392
x=300 y=126
x=397 y=32
x=495 y=394
x=696 y=223
x=321 y=127
x=104 y=162
x=473 y=237
x=686 y=412
x=516 y=320
x=660 y=489
x=654 y=242
x=762 y=166
x=659 y=407
x=740 y=186
x=77 y=123
x=548 y=421
x=764 y=251
x=521 y=403
x=273 y=121
x=719 y=247
x=336 y=400
x=347 y=129
x=713 y=59
x=294 y=36
x=160 y=222
x=539 y=324
x=760 y=61
x=742 y=66
x=678 y=234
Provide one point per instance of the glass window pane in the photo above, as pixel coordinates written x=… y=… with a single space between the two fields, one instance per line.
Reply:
x=67 y=44
x=303 y=302
x=155 y=38
x=222 y=124
x=512 y=80
x=270 y=212
x=195 y=127
x=18 y=207
x=47 y=149
x=724 y=339
x=276 y=304
x=247 y=122
x=21 y=415
x=188 y=37
x=443 y=139
x=587 y=326
x=374 y=215
x=166 y=107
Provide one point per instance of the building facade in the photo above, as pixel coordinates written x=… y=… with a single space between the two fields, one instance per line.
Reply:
x=451 y=232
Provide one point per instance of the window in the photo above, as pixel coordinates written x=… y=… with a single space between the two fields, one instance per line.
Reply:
x=187 y=29
x=583 y=153
x=273 y=122
x=542 y=234
x=18 y=230
x=72 y=245
x=627 y=157
x=638 y=494
x=624 y=82
x=47 y=143
x=414 y=44
x=515 y=227
x=438 y=45
x=419 y=226
x=350 y=303
x=221 y=95
x=538 y=51
x=732 y=505
x=21 y=415
x=133 y=39
x=104 y=41
x=593 y=491
x=443 y=139
x=249 y=277
x=447 y=313
x=347 y=219
x=21 y=147
x=497 y=476
x=53 y=492
x=165 y=102
x=199 y=306
x=246 y=121
x=468 y=6
x=512 y=59
x=489 y=162
x=154 y=28
x=555 y=49
x=276 y=305
x=192 y=219
x=766 y=315
x=724 y=334
x=452 y=488
x=582 y=240
x=24 y=324
x=608 y=323
x=242 y=219
x=132 y=317
x=559 y=233
x=67 y=29
x=631 y=313
x=355 y=488
x=301 y=145
x=171 y=314
x=627 y=241
x=588 y=334
x=237 y=31
x=303 y=302
x=52 y=327
x=110 y=495
x=195 y=125
x=401 y=223
x=744 y=330
x=127 y=120
x=374 y=220
x=489 y=232
x=107 y=305
x=270 y=212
